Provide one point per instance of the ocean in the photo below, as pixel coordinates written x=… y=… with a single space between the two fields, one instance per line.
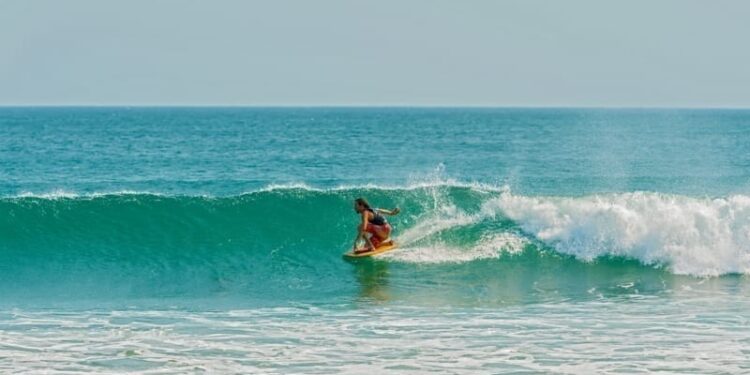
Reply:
x=210 y=240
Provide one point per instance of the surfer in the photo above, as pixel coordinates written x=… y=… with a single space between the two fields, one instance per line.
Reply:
x=373 y=223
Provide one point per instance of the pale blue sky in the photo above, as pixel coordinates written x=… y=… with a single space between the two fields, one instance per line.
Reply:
x=491 y=53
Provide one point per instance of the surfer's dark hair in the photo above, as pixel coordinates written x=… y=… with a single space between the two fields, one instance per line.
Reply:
x=362 y=202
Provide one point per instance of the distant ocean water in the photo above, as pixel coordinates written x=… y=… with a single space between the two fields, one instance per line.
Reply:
x=173 y=240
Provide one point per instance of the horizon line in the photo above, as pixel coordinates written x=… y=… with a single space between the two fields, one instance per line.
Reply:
x=364 y=106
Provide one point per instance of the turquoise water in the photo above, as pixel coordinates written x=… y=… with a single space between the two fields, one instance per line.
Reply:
x=532 y=240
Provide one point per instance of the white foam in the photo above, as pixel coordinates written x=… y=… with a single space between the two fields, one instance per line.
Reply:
x=489 y=247
x=285 y=186
x=602 y=337
x=410 y=186
x=64 y=194
x=436 y=178
x=445 y=217
x=441 y=216
x=55 y=194
x=696 y=236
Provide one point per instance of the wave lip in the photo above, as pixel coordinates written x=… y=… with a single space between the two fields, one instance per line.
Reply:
x=271 y=188
x=65 y=194
x=692 y=236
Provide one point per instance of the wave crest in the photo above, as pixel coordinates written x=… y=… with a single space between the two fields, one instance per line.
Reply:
x=704 y=237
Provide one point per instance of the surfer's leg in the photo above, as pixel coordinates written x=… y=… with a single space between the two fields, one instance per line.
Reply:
x=374 y=241
x=380 y=233
x=373 y=229
x=372 y=237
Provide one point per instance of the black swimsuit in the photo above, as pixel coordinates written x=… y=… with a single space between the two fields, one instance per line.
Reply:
x=377 y=219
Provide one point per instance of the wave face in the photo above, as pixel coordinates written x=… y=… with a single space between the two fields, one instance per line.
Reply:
x=287 y=241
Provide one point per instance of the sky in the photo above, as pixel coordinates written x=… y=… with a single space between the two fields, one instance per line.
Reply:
x=597 y=53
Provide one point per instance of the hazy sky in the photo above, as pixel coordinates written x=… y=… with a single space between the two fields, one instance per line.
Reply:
x=505 y=53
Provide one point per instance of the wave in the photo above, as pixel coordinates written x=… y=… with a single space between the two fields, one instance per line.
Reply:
x=289 y=238
x=694 y=236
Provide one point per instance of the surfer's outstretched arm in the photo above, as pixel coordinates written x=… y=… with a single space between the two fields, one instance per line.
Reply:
x=392 y=212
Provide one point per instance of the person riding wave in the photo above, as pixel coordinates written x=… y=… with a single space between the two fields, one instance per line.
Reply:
x=374 y=224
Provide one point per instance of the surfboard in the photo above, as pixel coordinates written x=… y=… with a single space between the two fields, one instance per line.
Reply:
x=379 y=250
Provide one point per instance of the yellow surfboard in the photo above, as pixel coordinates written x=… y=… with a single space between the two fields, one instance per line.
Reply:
x=379 y=250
